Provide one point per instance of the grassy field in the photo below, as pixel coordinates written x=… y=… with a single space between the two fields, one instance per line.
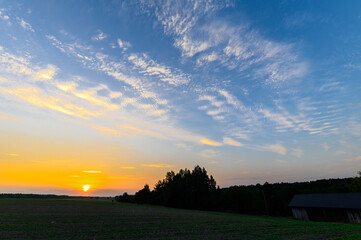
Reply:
x=103 y=219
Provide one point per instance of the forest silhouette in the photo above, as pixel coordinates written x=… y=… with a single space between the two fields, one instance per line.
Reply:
x=196 y=190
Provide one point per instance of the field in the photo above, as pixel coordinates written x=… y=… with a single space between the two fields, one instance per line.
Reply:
x=104 y=219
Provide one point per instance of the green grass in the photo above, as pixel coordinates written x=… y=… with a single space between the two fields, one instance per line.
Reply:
x=103 y=219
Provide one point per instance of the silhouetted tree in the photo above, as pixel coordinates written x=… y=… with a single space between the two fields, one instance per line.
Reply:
x=143 y=196
x=355 y=185
x=124 y=198
x=186 y=189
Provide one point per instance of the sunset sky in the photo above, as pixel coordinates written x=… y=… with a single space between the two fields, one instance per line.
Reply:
x=105 y=96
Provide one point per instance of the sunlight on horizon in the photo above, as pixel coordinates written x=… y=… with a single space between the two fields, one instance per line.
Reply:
x=86 y=188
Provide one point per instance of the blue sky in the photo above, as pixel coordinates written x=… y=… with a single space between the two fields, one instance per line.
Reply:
x=254 y=91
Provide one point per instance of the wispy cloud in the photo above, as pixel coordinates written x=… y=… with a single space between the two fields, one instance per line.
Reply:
x=331 y=86
x=232 y=100
x=107 y=131
x=125 y=130
x=47 y=73
x=99 y=36
x=18 y=65
x=355 y=159
x=208 y=153
x=13 y=64
x=123 y=44
x=3 y=15
x=92 y=171
x=152 y=130
x=150 y=68
x=131 y=128
x=236 y=47
x=207 y=58
x=89 y=95
x=314 y=118
x=212 y=99
x=178 y=18
x=147 y=67
x=207 y=141
x=119 y=70
x=25 y=25
x=191 y=47
x=215 y=108
x=222 y=104
x=36 y=97
x=232 y=142
x=277 y=148
x=212 y=162
x=9 y=117
x=239 y=133
x=183 y=146
x=281 y=119
x=13 y=154
x=158 y=165
x=145 y=76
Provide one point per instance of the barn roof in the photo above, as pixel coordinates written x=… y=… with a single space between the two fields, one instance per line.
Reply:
x=327 y=200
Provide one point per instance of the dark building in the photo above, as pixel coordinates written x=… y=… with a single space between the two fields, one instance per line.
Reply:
x=330 y=207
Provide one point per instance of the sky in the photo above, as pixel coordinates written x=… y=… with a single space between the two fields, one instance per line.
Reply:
x=102 y=97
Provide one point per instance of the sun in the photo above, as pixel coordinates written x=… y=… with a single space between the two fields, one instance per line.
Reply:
x=86 y=188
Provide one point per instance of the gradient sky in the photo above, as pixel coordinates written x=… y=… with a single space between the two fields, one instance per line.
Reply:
x=113 y=94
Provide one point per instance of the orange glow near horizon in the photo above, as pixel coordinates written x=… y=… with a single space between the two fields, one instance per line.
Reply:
x=59 y=176
x=38 y=163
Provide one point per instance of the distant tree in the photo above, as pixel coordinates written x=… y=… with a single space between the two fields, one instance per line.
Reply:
x=355 y=185
x=126 y=197
x=143 y=195
x=123 y=198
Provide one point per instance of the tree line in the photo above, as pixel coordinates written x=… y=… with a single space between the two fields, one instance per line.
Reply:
x=46 y=196
x=185 y=189
x=196 y=190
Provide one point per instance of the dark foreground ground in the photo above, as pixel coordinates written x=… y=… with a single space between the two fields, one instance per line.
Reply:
x=103 y=219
